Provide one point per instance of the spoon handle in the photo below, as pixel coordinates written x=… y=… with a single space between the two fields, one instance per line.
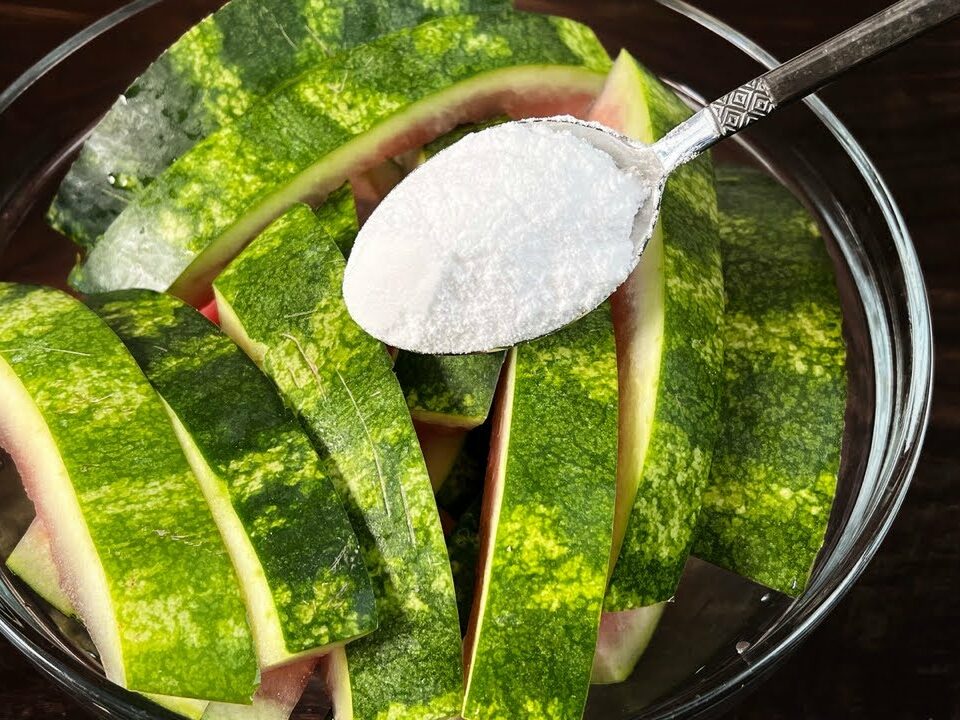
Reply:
x=802 y=75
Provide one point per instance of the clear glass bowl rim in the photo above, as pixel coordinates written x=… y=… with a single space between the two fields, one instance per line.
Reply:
x=894 y=462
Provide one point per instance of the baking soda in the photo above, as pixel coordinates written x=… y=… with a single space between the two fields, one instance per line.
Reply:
x=506 y=235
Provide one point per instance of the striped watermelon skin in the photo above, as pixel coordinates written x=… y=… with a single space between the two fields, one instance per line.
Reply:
x=774 y=475
x=449 y=390
x=207 y=79
x=303 y=140
x=32 y=561
x=303 y=551
x=128 y=510
x=547 y=527
x=280 y=689
x=282 y=299
x=666 y=455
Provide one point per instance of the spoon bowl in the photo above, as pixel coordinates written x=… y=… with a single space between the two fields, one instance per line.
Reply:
x=439 y=269
x=630 y=156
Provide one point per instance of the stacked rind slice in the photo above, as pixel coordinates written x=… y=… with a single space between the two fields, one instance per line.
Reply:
x=338 y=118
x=282 y=300
x=208 y=79
x=547 y=523
x=130 y=530
x=775 y=469
x=261 y=477
x=280 y=689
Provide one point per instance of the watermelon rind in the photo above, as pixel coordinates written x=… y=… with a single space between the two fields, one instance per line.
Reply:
x=32 y=561
x=276 y=698
x=667 y=317
x=454 y=391
x=136 y=545
x=295 y=552
x=622 y=641
x=338 y=118
x=207 y=79
x=280 y=689
x=282 y=300
x=547 y=527
x=774 y=475
x=464 y=550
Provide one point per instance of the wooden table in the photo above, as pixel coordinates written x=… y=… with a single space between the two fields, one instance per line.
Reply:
x=892 y=648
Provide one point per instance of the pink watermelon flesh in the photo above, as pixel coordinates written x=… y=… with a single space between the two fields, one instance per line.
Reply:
x=210 y=312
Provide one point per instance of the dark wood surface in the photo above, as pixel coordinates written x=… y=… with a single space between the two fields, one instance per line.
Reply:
x=892 y=648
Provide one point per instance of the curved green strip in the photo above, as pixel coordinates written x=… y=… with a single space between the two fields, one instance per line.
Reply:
x=32 y=561
x=670 y=475
x=291 y=540
x=550 y=523
x=209 y=78
x=774 y=475
x=304 y=139
x=449 y=390
x=282 y=299
x=179 y=616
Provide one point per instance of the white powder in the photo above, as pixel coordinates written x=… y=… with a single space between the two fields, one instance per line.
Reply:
x=508 y=234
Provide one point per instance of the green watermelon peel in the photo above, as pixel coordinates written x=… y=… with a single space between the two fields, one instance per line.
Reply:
x=281 y=299
x=32 y=561
x=71 y=380
x=209 y=78
x=261 y=477
x=454 y=391
x=336 y=120
x=774 y=475
x=547 y=527
x=280 y=689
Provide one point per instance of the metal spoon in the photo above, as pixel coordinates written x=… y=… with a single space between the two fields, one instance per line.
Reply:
x=729 y=115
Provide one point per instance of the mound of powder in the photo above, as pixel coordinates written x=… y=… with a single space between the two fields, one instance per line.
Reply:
x=507 y=234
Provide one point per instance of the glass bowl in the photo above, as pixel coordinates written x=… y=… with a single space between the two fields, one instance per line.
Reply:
x=722 y=633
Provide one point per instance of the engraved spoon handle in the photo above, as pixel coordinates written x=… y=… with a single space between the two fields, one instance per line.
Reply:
x=801 y=76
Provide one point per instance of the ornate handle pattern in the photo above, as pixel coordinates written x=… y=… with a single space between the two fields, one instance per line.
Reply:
x=737 y=109
x=801 y=76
